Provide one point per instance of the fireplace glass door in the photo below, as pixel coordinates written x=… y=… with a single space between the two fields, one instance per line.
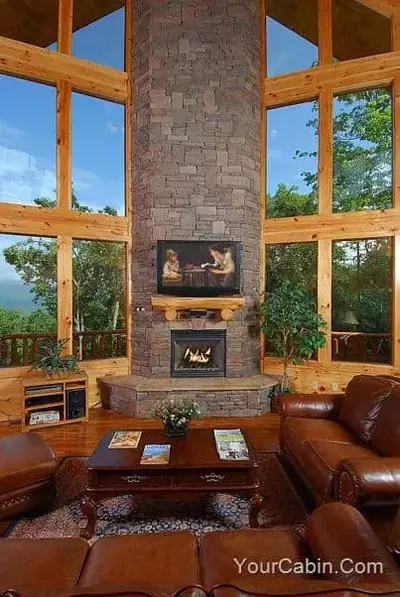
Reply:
x=196 y=353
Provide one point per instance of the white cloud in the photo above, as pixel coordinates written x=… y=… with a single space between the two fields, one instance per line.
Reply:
x=9 y=133
x=113 y=127
x=274 y=133
x=21 y=179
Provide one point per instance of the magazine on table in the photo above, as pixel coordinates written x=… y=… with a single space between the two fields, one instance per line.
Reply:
x=230 y=444
x=155 y=454
x=125 y=439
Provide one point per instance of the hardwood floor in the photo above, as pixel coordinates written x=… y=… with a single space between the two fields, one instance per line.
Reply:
x=81 y=439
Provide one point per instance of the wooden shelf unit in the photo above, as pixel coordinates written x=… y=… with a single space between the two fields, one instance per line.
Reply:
x=52 y=393
x=226 y=305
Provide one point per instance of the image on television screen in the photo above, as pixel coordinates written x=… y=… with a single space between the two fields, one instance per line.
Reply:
x=198 y=268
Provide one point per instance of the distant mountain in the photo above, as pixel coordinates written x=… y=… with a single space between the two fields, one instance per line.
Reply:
x=15 y=295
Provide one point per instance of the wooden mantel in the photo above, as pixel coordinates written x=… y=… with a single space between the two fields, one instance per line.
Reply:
x=227 y=305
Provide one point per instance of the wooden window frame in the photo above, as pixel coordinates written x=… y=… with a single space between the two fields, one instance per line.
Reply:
x=323 y=82
x=69 y=74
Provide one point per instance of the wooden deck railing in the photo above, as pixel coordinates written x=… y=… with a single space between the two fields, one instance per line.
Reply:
x=362 y=348
x=24 y=349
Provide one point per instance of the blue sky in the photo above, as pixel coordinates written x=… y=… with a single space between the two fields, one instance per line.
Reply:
x=286 y=127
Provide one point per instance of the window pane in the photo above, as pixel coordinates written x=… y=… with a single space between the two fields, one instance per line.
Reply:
x=98 y=155
x=99 y=299
x=362 y=150
x=99 y=32
x=359 y=31
x=28 y=297
x=361 y=300
x=292 y=35
x=292 y=160
x=293 y=264
x=27 y=142
x=34 y=23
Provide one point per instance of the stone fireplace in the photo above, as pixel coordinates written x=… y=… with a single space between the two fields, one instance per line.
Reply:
x=198 y=353
x=196 y=174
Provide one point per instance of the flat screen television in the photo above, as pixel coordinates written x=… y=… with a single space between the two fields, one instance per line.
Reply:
x=198 y=268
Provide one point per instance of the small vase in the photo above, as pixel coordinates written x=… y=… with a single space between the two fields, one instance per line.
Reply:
x=175 y=430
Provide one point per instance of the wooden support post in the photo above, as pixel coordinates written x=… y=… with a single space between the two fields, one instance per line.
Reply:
x=64 y=175
x=325 y=295
x=65 y=24
x=325 y=158
x=64 y=291
x=325 y=29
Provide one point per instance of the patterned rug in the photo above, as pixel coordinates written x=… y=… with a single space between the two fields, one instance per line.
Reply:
x=118 y=516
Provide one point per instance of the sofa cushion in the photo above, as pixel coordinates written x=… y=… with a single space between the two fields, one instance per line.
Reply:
x=28 y=565
x=222 y=556
x=365 y=396
x=158 y=560
x=386 y=434
x=25 y=459
x=299 y=430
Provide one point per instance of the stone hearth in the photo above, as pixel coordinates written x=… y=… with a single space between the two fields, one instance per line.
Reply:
x=196 y=171
x=237 y=397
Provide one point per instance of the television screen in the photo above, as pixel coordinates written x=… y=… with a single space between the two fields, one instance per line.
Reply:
x=198 y=268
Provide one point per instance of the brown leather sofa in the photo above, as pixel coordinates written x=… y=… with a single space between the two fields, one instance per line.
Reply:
x=27 y=467
x=222 y=562
x=346 y=447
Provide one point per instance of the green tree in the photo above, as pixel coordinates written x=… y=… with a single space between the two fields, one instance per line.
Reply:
x=362 y=179
x=98 y=276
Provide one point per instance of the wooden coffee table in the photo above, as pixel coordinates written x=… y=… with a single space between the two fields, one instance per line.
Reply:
x=194 y=468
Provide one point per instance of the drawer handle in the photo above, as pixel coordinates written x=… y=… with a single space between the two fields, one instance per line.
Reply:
x=134 y=478
x=212 y=478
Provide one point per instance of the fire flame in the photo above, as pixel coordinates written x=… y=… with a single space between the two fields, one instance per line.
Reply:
x=198 y=356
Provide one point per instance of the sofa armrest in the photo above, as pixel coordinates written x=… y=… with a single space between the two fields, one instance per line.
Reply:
x=368 y=481
x=340 y=535
x=318 y=406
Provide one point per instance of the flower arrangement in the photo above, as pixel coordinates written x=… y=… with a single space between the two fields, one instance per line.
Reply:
x=176 y=415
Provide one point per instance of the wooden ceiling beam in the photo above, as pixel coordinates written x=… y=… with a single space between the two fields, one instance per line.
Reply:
x=341 y=76
x=24 y=60
x=41 y=221
x=387 y=8
x=341 y=226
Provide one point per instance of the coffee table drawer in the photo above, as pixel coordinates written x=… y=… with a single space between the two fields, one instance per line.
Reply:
x=132 y=479
x=211 y=478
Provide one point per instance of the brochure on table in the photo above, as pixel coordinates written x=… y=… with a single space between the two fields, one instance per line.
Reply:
x=230 y=444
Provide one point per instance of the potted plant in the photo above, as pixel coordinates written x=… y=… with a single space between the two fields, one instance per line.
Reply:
x=293 y=328
x=176 y=415
x=51 y=362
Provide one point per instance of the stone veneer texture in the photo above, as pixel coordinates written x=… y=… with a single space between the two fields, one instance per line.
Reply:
x=196 y=138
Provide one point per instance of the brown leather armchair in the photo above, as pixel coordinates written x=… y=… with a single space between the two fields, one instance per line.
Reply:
x=27 y=468
x=346 y=447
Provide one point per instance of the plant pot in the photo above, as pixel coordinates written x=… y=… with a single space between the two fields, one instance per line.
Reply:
x=175 y=430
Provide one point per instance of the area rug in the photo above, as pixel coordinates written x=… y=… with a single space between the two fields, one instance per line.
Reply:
x=118 y=516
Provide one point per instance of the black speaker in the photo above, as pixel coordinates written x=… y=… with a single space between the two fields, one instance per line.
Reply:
x=76 y=403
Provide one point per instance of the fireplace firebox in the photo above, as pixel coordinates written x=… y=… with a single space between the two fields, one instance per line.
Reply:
x=196 y=353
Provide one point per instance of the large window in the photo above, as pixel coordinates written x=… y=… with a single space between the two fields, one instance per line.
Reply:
x=292 y=35
x=27 y=142
x=361 y=300
x=362 y=150
x=28 y=297
x=99 y=296
x=64 y=150
x=292 y=160
x=98 y=167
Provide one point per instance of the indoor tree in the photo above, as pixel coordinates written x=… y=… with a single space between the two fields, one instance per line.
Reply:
x=293 y=328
